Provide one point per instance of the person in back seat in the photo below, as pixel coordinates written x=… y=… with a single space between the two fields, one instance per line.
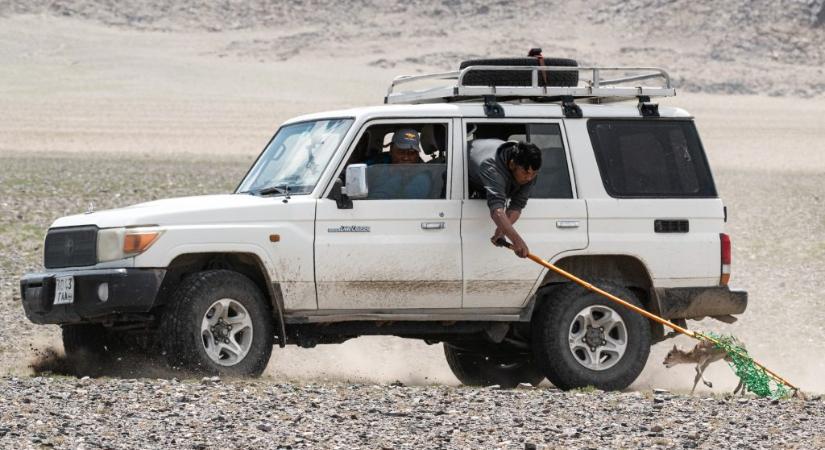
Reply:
x=506 y=172
x=399 y=182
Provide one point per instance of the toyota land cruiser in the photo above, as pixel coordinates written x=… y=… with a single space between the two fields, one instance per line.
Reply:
x=309 y=250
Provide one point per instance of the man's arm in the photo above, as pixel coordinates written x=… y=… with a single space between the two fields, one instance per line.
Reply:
x=512 y=215
x=503 y=223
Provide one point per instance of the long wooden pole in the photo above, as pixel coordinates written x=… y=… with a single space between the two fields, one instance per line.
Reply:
x=641 y=311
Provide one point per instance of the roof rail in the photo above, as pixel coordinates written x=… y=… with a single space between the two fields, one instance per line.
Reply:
x=595 y=88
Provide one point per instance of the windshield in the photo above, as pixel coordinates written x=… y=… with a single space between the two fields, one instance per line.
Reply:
x=294 y=160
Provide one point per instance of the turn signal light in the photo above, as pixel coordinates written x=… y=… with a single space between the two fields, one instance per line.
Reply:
x=134 y=243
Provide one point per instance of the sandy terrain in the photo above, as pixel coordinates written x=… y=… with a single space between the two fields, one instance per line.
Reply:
x=98 y=108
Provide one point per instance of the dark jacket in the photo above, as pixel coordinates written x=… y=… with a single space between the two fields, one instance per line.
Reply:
x=488 y=172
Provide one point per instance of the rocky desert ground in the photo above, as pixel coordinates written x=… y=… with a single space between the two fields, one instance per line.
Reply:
x=116 y=103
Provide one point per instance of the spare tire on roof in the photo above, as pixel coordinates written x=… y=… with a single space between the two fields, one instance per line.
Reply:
x=519 y=78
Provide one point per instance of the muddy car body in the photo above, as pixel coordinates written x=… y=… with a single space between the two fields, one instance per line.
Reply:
x=311 y=249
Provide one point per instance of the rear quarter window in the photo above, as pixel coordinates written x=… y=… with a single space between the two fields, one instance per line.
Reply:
x=651 y=158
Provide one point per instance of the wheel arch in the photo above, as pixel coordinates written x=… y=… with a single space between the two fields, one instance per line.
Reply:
x=624 y=270
x=248 y=264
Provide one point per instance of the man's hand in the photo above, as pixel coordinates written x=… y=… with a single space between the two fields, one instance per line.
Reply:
x=496 y=236
x=504 y=228
x=520 y=248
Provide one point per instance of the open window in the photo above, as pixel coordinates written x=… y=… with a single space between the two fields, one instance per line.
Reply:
x=416 y=177
x=553 y=180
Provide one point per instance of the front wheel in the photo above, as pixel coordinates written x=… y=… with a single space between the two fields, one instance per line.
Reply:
x=583 y=339
x=218 y=322
x=476 y=369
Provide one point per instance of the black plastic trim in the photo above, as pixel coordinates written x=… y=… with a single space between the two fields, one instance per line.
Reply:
x=698 y=302
x=129 y=291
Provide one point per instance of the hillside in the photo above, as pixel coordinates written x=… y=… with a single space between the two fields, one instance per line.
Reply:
x=742 y=47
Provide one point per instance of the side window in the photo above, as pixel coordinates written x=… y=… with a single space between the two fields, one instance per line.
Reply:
x=553 y=180
x=651 y=158
x=404 y=160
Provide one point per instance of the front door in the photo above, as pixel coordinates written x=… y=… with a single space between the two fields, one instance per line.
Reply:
x=554 y=220
x=399 y=248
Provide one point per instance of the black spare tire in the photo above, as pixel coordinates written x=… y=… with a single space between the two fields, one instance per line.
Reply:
x=519 y=78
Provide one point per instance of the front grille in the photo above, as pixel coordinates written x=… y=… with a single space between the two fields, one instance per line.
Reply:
x=71 y=247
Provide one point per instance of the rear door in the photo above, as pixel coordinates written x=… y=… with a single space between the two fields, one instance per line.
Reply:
x=553 y=222
x=661 y=204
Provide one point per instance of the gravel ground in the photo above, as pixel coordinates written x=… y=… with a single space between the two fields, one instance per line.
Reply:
x=163 y=413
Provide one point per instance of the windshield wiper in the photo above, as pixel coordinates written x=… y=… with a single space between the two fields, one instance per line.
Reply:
x=279 y=189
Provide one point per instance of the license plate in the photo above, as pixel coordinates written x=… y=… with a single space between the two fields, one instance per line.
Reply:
x=63 y=290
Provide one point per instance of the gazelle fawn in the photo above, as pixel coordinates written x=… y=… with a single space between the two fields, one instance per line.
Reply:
x=703 y=354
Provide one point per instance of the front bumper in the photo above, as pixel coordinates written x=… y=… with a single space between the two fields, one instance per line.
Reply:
x=699 y=302
x=129 y=291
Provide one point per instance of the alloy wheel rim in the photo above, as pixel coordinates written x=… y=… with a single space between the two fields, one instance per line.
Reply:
x=597 y=337
x=226 y=332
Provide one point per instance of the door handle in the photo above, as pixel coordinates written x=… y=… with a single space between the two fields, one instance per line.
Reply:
x=567 y=224
x=432 y=225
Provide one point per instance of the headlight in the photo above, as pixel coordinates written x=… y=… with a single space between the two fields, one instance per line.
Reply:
x=119 y=243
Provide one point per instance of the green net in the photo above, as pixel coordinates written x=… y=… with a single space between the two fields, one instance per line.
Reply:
x=754 y=378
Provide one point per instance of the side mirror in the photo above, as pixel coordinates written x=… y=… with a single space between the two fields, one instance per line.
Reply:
x=356 y=187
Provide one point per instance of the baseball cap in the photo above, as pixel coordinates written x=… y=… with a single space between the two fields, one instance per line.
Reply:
x=406 y=139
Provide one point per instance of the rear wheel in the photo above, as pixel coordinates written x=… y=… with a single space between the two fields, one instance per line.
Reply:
x=218 y=322
x=476 y=369
x=583 y=339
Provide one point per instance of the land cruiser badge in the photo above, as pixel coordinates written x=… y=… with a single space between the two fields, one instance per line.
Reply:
x=349 y=229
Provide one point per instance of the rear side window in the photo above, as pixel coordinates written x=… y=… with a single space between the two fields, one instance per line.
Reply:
x=553 y=179
x=651 y=158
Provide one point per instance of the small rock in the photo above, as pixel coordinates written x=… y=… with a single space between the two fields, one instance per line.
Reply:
x=529 y=446
x=658 y=391
x=525 y=386
x=571 y=432
x=265 y=427
x=656 y=429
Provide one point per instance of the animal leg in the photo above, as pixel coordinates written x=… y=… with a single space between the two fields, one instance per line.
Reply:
x=696 y=379
x=740 y=388
x=700 y=369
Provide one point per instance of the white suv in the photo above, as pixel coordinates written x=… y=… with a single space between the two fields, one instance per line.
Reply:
x=321 y=242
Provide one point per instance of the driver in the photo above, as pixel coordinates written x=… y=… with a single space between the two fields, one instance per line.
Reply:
x=395 y=181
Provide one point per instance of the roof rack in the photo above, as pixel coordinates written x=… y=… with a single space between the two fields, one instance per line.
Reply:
x=595 y=88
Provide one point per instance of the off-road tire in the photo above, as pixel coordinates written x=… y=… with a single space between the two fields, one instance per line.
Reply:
x=475 y=369
x=519 y=78
x=550 y=331
x=181 y=336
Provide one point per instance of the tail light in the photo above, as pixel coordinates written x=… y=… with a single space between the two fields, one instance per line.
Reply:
x=725 y=256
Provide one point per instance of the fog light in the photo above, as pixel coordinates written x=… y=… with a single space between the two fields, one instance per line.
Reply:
x=103 y=291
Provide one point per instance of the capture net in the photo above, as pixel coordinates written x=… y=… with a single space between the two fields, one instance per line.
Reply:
x=754 y=378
